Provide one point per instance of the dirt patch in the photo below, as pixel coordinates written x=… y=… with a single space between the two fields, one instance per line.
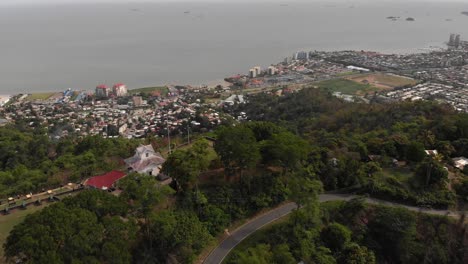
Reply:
x=383 y=81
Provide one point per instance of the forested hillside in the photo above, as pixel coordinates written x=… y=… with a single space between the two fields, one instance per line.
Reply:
x=377 y=148
x=353 y=232
x=291 y=148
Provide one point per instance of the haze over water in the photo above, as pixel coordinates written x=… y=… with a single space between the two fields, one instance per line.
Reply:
x=51 y=48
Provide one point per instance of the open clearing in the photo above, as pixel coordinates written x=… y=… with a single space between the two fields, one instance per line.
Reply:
x=346 y=86
x=40 y=96
x=383 y=81
x=162 y=90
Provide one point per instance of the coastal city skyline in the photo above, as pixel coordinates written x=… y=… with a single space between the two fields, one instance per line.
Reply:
x=134 y=43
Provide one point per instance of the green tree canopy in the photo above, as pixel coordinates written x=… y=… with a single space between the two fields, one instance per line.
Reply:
x=430 y=172
x=144 y=191
x=286 y=149
x=336 y=236
x=261 y=254
x=71 y=235
x=237 y=147
x=355 y=254
x=392 y=233
x=185 y=165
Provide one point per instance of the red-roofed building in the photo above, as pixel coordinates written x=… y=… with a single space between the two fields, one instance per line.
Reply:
x=104 y=181
x=119 y=89
x=102 y=91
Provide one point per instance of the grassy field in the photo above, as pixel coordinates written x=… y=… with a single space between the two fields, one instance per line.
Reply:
x=402 y=175
x=383 y=81
x=148 y=90
x=7 y=222
x=346 y=73
x=40 y=96
x=346 y=86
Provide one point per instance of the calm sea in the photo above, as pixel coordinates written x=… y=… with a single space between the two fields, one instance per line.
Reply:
x=50 y=48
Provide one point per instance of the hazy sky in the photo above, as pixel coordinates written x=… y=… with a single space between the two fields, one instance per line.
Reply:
x=22 y=2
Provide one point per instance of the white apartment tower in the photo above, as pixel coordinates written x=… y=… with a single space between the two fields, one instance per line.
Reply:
x=252 y=73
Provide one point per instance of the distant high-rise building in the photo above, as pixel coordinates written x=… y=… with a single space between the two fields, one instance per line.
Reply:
x=451 y=40
x=258 y=70
x=252 y=73
x=102 y=91
x=301 y=55
x=271 y=70
x=119 y=89
x=457 y=41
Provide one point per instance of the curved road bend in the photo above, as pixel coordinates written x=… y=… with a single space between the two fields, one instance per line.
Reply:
x=218 y=254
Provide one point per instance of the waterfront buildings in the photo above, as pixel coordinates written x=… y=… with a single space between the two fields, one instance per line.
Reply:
x=102 y=91
x=258 y=70
x=301 y=55
x=119 y=89
x=271 y=70
x=252 y=73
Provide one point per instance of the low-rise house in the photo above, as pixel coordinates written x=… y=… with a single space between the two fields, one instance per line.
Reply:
x=460 y=162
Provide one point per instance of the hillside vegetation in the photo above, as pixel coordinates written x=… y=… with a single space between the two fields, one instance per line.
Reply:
x=291 y=149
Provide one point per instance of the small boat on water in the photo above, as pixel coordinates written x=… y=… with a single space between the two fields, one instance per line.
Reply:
x=187 y=12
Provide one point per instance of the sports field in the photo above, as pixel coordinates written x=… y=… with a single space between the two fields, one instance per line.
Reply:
x=346 y=86
x=40 y=96
x=150 y=90
x=383 y=81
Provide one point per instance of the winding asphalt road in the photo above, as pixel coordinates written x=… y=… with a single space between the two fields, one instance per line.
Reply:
x=218 y=254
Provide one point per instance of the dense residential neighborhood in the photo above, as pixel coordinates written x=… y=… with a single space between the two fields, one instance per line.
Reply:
x=127 y=116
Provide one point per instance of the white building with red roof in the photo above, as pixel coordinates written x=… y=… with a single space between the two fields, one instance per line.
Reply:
x=119 y=89
x=102 y=91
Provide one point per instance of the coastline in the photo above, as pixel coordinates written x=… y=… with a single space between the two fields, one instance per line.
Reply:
x=209 y=84
x=218 y=80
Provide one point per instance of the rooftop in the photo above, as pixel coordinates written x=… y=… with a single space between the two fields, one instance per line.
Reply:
x=105 y=180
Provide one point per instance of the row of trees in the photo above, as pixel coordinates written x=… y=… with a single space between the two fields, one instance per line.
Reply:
x=30 y=161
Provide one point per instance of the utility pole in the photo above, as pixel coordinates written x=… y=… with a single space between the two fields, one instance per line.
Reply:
x=188 y=133
x=168 y=135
